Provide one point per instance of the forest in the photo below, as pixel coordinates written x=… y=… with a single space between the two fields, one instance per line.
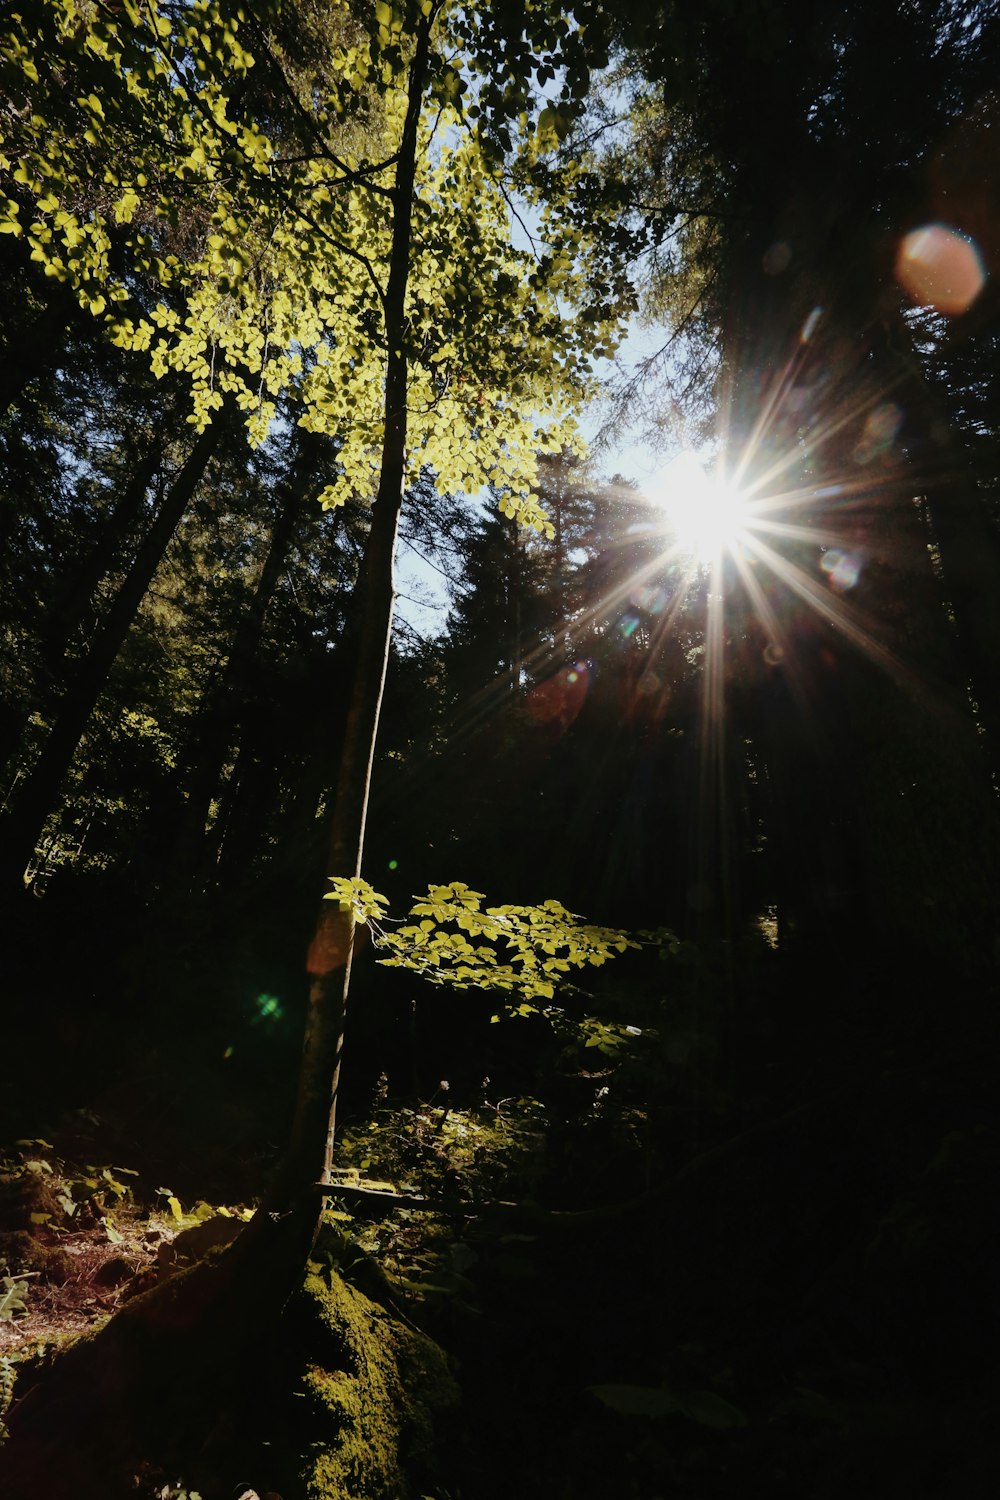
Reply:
x=500 y=722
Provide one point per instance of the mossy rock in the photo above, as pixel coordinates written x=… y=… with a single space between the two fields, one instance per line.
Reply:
x=326 y=1396
x=374 y=1387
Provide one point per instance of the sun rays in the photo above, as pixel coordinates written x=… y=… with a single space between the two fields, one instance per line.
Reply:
x=743 y=575
x=761 y=596
x=690 y=538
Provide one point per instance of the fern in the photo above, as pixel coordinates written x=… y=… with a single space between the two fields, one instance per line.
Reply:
x=8 y=1375
x=12 y=1297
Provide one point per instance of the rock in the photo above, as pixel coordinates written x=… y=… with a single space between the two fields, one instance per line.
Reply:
x=192 y=1244
x=116 y=1270
x=374 y=1391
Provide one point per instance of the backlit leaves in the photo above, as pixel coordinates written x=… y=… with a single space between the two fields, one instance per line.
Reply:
x=457 y=941
x=256 y=265
x=362 y=899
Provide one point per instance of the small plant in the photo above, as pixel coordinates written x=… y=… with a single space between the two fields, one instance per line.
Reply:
x=8 y=1376
x=200 y=1212
x=12 y=1298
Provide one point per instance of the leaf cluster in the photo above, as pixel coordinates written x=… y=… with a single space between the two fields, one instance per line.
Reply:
x=248 y=250
x=526 y=950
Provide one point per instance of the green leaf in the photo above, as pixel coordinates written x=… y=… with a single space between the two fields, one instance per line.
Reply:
x=114 y=1236
x=635 y=1400
x=703 y=1407
x=710 y=1410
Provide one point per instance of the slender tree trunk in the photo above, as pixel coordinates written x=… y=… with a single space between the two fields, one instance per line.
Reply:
x=970 y=558
x=968 y=548
x=70 y=608
x=40 y=791
x=221 y=721
x=560 y=563
x=310 y=1152
x=516 y=646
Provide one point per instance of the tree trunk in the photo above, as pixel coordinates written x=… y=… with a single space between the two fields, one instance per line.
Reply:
x=310 y=1151
x=40 y=791
x=221 y=721
x=69 y=609
x=968 y=548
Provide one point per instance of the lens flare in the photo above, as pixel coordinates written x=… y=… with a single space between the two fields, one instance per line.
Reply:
x=940 y=268
x=843 y=569
x=267 y=1008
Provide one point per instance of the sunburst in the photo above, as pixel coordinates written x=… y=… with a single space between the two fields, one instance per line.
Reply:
x=707 y=515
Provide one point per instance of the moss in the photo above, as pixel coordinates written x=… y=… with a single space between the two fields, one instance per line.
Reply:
x=374 y=1387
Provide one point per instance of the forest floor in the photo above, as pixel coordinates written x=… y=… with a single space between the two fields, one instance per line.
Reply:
x=83 y=1240
x=595 y=1356
x=647 y=1285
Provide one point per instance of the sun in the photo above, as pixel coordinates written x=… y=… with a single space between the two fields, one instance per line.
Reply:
x=707 y=516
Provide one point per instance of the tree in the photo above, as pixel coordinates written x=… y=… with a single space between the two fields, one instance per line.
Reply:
x=494 y=623
x=38 y=794
x=788 y=188
x=387 y=293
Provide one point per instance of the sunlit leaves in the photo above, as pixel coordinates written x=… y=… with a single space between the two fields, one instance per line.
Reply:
x=254 y=265
x=359 y=897
x=455 y=940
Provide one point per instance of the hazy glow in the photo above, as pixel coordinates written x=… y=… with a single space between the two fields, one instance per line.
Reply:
x=706 y=515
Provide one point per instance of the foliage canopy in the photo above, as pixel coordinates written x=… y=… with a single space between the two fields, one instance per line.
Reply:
x=222 y=213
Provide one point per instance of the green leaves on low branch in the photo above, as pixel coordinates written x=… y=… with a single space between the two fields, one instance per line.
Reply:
x=362 y=899
x=526 y=950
